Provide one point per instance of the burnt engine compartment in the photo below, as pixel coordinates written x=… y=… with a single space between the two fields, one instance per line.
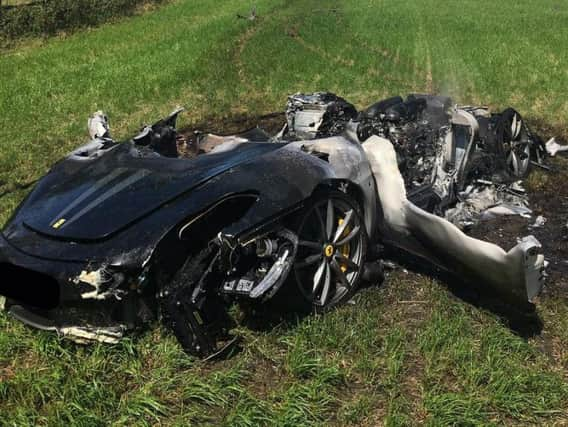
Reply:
x=414 y=126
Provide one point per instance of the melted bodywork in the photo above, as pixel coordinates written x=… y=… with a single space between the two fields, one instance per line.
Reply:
x=518 y=273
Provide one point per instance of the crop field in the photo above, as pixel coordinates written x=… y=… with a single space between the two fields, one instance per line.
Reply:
x=405 y=353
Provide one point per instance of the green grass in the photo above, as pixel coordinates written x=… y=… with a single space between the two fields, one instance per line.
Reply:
x=15 y=2
x=404 y=354
x=409 y=353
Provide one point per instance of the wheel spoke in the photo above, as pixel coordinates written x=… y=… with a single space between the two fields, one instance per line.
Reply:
x=514 y=162
x=329 y=250
x=318 y=276
x=329 y=219
x=326 y=285
x=515 y=127
x=526 y=157
x=312 y=259
x=349 y=237
x=340 y=275
x=312 y=245
x=343 y=226
x=342 y=259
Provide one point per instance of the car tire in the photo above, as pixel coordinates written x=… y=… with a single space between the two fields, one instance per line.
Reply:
x=332 y=249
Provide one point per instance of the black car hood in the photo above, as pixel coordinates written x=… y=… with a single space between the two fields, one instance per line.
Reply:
x=91 y=200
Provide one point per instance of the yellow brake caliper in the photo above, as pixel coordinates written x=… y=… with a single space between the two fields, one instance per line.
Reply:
x=345 y=249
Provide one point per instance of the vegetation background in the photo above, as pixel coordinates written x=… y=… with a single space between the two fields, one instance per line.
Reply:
x=20 y=18
x=409 y=352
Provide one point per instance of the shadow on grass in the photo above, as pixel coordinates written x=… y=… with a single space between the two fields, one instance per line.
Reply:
x=521 y=317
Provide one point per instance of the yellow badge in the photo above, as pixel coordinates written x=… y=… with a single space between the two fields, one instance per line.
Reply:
x=59 y=223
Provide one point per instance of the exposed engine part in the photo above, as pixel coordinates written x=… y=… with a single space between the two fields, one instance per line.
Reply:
x=441 y=149
x=262 y=272
x=317 y=115
x=417 y=129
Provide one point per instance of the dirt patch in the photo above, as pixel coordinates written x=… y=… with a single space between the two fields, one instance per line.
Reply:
x=271 y=123
x=7 y=373
x=232 y=125
x=267 y=377
x=548 y=196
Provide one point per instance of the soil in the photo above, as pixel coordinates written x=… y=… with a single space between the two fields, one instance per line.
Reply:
x=271 y=123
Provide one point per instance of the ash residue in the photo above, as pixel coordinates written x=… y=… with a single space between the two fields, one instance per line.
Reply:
x=548 y=197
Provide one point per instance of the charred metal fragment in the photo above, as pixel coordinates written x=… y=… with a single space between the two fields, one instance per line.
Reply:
x=553 y=147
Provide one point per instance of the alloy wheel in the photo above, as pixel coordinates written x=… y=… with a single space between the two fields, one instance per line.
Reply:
x=331 y=250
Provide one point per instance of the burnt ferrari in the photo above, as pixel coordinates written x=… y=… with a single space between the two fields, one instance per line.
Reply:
x=118 y=235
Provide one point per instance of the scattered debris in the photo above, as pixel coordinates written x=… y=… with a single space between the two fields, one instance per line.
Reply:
x=486 y=201
x=87 y=335
x=539 y=222
x=517 y=274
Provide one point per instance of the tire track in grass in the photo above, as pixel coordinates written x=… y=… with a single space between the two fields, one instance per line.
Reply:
x=250 y=90
x=338 y=60
x=423 y=80
x=429 y=79
x=238 y=58
x=393 y=59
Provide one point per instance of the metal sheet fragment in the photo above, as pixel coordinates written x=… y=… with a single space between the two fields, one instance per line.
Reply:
x=553 y=147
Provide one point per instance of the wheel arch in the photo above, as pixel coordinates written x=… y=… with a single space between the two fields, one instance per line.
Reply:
x=196 y=230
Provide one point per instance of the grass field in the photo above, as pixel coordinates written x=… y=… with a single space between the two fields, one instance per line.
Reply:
x=407 y=353
x=15 y=2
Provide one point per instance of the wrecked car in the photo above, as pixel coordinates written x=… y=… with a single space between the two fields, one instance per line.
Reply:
x=117 y=235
